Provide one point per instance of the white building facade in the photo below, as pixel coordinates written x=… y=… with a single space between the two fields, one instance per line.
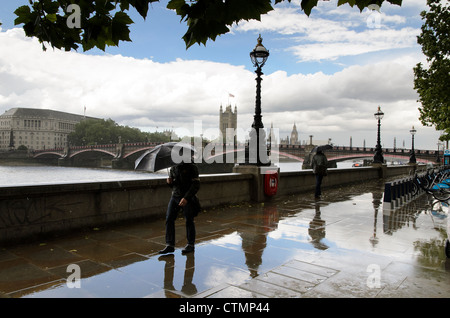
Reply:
x=36 y=129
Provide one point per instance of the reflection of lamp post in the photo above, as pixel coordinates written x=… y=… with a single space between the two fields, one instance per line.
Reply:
x=378 y=157
x=412 y=156
x=376 y=201
x=259 y=57
x=438 y=158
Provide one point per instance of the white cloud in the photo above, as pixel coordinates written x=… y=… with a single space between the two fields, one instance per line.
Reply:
x=334 y=44
x=337 y=32
x=112 y=86
x=146 y=94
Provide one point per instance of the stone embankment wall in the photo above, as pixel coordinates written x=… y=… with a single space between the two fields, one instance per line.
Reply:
x=29 y=211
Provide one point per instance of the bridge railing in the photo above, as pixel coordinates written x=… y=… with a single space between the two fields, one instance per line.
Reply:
x=281 y=147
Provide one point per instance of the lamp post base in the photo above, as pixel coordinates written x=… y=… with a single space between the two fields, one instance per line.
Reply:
x=258 y=173
x=251 y=158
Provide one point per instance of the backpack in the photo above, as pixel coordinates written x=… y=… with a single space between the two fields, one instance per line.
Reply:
x=320 y=164
x=321 y=170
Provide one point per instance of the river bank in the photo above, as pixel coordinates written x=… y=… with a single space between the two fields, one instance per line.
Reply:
x=33 y=210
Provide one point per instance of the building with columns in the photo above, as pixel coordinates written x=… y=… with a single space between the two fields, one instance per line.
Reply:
x=36 y=128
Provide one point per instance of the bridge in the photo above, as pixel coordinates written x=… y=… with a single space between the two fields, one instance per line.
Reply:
x=120 y=156
x=123 y=155
x=343 y=153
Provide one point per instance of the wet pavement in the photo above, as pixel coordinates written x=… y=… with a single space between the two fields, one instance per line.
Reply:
x=343 y=245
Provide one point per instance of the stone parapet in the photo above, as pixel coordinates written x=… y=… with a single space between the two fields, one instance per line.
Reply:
x=30 y=211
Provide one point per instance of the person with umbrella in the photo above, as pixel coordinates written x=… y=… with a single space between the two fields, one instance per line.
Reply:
x=185 y=182
x=319 y=165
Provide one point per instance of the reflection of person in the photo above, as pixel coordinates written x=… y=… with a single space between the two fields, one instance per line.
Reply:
x=184 y=181
x=188 y=287
x=319 y=164
x=317 y=230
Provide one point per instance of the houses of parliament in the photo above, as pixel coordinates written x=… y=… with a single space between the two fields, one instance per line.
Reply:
x=45 y=128
x=228 y=119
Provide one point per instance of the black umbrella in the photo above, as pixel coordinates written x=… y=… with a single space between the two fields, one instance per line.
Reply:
x=322 y=148
x=163 y=156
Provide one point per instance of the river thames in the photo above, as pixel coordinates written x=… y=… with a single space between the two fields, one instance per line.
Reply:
x=14 y=175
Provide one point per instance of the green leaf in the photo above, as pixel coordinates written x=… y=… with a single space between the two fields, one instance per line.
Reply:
x=23 y=15
x=180 y=7
x=175 y=4
x=50 y=7
x=122 y=18
x=119 y=29
x=397 y=2
x=205 y=19
x=51 y=17
x=431 y=81
x=142 y=7
x=307 y=5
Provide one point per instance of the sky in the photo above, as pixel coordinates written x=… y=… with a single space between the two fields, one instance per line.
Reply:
x=326 y=73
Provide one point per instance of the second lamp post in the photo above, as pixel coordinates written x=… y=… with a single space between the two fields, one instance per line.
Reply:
x=378 y=157
x=412 y=156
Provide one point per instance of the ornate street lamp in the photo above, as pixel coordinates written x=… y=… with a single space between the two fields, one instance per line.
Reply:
x=378 y=157
x=259 y=57
x=412 y=156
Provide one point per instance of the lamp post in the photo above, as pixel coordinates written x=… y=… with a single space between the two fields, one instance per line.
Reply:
x=258 y=57
x=412 y=156
x=378 y=157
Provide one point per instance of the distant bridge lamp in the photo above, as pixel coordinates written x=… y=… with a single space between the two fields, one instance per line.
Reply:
x=412 y=156
x=438 y=158
x=259 y=57
x=378 y=157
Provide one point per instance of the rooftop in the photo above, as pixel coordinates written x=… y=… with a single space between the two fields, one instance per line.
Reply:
x=42 y=113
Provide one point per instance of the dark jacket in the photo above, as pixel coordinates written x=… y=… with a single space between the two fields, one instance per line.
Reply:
x=185 y=180
x=319 y=164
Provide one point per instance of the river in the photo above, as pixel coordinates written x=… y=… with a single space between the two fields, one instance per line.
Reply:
x=13 y=175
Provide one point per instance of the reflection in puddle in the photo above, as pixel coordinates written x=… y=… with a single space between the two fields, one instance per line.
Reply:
x=232 y=241
x=317 y=230
x=188 y=286
x=258 y=239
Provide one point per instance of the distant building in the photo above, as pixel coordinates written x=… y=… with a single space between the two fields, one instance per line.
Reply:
x=272 y=136
x=171 y=134
x=293 y=140
x=36 y=128
x=294 y=136
x=228 y=119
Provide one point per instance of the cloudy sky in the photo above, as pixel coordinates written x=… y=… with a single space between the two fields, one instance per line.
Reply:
x=326 y=73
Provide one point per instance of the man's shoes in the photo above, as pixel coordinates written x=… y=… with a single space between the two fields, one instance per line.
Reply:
x=170 y=249
x=188 y=249
x=167 y=249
